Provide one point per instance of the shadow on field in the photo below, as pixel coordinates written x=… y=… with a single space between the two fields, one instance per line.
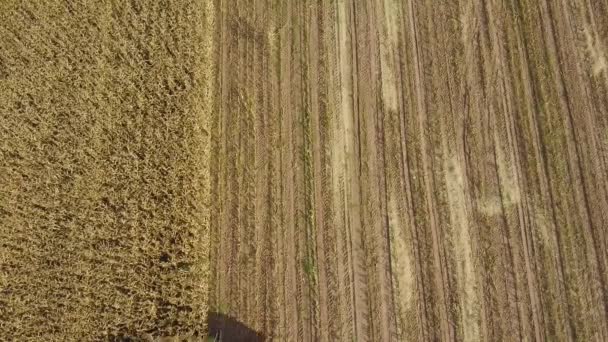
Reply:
x=227 y=329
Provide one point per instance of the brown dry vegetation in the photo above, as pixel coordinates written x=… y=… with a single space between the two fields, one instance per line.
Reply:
x=104 y=111
x=367 y=170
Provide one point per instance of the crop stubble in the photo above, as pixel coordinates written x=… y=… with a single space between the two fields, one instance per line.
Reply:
x=413 y=170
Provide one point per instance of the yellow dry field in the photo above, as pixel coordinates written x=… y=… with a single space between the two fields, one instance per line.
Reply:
x=104 y=171
x=299 y=170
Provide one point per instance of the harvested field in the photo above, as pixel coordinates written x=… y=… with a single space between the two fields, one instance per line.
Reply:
x=402 y=170
x=374 y=170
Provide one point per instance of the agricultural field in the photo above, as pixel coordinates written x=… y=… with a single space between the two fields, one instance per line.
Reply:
x=412 y=170
x=299 y=170
x=104 y=171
